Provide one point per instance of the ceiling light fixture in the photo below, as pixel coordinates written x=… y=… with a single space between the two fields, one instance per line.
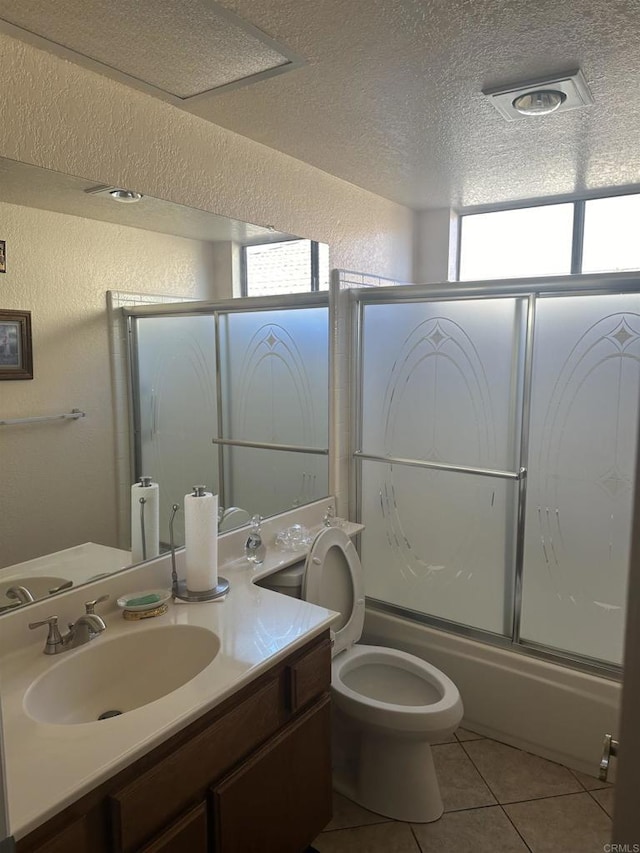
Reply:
x=125 y=196
x=540 y=97
x=116 y=193
x=540 y=102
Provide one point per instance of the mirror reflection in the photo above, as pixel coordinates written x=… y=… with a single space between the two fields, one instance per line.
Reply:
x=234 y=398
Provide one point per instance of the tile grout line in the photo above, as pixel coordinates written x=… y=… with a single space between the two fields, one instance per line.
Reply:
x=519 y=834
x=583 y=789
x=359 y=826
x=478 y=771
x=415 y=838
x=545 y=797
x=605 y=786
x=599 y=803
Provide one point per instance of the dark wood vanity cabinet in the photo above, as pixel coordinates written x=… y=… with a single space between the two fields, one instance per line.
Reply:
x=253 y=774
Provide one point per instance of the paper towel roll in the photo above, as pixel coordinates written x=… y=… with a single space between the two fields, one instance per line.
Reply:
x=151 y=494
x=201 y=540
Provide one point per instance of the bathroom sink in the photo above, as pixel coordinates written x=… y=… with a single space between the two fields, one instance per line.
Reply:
x=120 y=674
x=38 y=586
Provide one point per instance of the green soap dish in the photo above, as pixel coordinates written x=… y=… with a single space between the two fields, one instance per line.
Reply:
x=147 y=599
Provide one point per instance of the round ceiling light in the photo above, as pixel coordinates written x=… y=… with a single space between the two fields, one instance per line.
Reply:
x=125 y=196
x=539 y=103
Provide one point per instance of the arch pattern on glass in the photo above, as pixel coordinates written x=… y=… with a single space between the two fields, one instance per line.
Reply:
x=438 y=387
x=273 y=363
x=586 y=460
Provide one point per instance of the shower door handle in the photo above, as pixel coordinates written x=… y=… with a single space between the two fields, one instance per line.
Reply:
x=609 y=749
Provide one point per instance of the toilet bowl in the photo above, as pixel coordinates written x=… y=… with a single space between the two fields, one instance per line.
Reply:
x=389 y=706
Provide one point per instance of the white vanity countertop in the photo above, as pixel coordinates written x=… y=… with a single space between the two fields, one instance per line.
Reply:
x=79 y=564
x=50 y=766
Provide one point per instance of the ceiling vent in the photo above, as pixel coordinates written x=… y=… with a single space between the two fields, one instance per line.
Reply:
x=180 y=52
x=540 y=97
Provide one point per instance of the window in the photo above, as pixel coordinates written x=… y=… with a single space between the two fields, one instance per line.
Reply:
x=510 y=243
x=290 y=266
x=611 y=234
x=583 y=236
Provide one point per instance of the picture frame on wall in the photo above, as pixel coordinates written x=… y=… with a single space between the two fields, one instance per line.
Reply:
x=16 y=358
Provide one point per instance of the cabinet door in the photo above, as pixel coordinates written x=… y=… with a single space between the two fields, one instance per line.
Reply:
x=285 y=788
x=143 y=807
x=74 y=837
x=189 y=833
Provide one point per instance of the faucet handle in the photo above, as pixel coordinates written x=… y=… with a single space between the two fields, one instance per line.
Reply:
x=90 y=606
x=65 y=585
x=54 y=638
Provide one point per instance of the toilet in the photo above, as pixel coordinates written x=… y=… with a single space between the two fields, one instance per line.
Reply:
x=389 y=706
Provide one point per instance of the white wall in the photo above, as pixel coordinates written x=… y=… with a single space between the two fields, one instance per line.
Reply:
x=60 y=116
x=435 y=246
x=58 y=479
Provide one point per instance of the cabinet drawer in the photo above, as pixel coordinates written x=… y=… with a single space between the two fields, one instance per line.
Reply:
x=73 y=837
x=142 y=808
x=187 y=833
x=309 y=676
x=287 y=785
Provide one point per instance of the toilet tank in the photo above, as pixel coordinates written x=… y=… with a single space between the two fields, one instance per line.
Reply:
x=287 y=581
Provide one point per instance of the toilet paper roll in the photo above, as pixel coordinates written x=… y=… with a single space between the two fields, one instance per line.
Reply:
x=151 y=495
x=201 y=541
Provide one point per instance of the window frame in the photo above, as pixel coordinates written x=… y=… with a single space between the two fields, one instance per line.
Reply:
x=577 y=239
x=314 y=273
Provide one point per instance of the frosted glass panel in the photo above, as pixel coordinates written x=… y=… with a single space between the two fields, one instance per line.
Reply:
x=274 y=369
x=611 y=234
x=177 y=412
x=584 y=417
x=440 y=381
x=439 y=543
x=525 y=242
x=273 y=480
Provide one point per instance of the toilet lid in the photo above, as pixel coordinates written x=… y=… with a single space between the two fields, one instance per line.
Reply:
x=333 y=579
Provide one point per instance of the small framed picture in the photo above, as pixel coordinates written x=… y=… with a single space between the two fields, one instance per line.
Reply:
x=16 y=361
x=3 y=256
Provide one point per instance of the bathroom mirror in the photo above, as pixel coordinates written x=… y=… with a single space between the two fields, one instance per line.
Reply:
x=65 y=513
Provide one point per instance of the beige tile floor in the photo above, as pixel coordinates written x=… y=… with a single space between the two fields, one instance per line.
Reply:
x=497 y=799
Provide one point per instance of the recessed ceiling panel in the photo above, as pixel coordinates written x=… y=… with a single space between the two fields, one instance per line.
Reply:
x=183 y=49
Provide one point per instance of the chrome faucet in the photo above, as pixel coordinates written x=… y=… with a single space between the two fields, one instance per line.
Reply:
x=87 y=627
x=20 y=593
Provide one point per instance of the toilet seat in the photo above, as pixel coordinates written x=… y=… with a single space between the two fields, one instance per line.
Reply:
x=333 y=579
x=443 y=713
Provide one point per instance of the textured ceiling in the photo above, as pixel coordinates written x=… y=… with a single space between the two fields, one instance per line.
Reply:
x=390 y=98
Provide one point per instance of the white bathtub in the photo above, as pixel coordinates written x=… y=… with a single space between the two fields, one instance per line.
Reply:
x=550 y=710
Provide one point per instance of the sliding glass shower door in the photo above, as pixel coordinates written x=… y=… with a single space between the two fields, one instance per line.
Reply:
x=495 y=460
x=440 y=398
x=176 y=409
x=584 y=423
